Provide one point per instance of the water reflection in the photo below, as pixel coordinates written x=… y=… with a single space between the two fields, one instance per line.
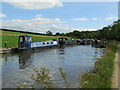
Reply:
x=6 y=59
x=96 y=52
x=61 y=51
x=24 y=59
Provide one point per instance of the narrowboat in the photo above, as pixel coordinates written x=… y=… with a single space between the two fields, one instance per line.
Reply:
x=25 y=42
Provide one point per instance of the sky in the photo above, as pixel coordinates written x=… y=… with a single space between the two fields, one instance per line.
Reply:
x=57 y=16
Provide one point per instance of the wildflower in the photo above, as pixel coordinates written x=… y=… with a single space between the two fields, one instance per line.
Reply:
x=24 y=84
x=86 y=82
x=93 y=74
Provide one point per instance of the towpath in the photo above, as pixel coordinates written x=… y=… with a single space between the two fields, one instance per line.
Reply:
x=116 y=73
x=119 y=66
x=6 y=50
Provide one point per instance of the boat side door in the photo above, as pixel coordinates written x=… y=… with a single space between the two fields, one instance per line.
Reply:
x=21 y=41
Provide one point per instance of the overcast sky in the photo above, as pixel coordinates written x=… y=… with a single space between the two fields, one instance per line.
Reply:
x=58 y=16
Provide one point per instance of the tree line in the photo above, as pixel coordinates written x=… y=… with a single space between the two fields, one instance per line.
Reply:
x=110 y=32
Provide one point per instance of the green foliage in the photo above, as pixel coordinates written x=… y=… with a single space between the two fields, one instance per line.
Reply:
x=49 y=33
x=63 y=75
x=24 y=85
x=42 y=77
x=111 y=32
x=100 y=77
x=57 y=34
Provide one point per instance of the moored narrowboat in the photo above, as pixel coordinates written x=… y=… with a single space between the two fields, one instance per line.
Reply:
x=25 y=42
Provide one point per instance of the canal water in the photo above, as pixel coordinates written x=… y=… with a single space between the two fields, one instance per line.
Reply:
x=74 y=60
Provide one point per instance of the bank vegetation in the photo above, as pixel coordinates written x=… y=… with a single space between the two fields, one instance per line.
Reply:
x=100 y=76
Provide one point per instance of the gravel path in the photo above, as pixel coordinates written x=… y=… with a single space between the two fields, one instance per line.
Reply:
x=119 y=67
x=116 y=73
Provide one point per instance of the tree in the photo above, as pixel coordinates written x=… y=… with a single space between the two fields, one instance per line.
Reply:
x=57 y=34
x=110 y=32
x=49 y=33
x=76 y=33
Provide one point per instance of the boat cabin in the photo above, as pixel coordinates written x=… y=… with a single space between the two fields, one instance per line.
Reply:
x=24 y=41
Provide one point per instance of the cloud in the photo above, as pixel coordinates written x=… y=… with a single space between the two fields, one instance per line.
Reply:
x=3 y=15
x=62 y=28
x=85 y=29
x=63 y=0
x=95 y=18
x=38 y=16
x=80 y=19
x=85 y=19
x=40 y=25
x=38 y=4
x=90 y=0
x=111 y=18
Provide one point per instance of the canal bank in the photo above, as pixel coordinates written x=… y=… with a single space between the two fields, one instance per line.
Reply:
x=100 y=76
x=116 y=73
x=116 y=70
x=119 y=67
x=8 y=50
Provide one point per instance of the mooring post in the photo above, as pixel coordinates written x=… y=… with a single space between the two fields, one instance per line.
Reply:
x=5 y=43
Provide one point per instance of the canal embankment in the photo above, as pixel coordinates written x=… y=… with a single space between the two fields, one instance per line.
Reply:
x=119 y=66
x=8 y=50
x=116 y=73
x=100 y=76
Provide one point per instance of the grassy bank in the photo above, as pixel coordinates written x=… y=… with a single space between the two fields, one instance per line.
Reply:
x=12 y=38
x=101 y=76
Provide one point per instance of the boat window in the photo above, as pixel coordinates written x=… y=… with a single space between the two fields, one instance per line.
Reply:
x=21 y=39
x=60 y=39
x=43 y=43
x=47 y=42
x=28 y=39
x=51 y=42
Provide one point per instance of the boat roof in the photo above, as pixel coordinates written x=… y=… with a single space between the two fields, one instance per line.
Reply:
x=25 y=36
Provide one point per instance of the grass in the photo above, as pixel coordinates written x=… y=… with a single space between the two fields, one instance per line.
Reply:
x=12 y=38
x=9 y=32
x=11 y=41
x=101 y=76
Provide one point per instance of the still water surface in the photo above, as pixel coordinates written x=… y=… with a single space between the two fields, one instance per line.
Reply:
x=75 y=61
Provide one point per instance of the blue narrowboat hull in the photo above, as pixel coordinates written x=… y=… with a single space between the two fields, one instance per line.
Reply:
x=46 y=46
x=37 y=47
x=39 y=44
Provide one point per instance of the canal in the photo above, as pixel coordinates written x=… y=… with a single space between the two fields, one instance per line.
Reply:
x=74 y=60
